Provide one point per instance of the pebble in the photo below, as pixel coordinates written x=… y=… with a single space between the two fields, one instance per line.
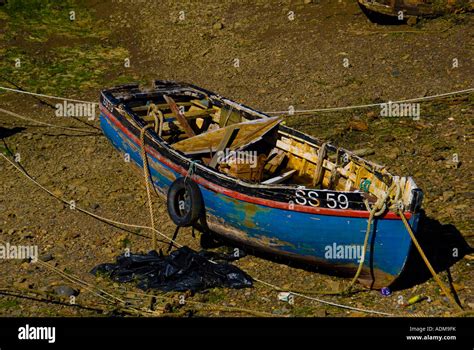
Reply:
x=46 y=257
x=394 y=153
x=448 y=195
x=65 y=291
x=387 y=138
x=218 y=26
x=94 y=206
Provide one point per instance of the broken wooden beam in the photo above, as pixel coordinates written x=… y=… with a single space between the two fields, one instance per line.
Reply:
x=179 y=116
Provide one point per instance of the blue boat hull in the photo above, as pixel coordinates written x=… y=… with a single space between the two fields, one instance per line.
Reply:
x=329 y=241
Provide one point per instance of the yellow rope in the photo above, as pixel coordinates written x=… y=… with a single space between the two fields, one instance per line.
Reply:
x=364 y=250
x=427 y=262
x=146 y=173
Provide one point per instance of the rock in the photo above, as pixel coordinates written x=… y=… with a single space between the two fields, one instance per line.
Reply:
x=46 y=257
x=281 y=311
x=372 y=115
x=65 y=291
x=82 y=190
x=362 y=152
x=94 y=206
x=27 y=235
x=412 y=20
x=427 y=149
x=393 y=153
x=22 y=283
x=218 y=26
x=358 y=125
x=307 y=2
x=395 y=73
x=437 y=157
x=448 y=195
x=71 y=235
x=387 y=138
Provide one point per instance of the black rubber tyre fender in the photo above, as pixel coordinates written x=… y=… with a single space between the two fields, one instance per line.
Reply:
x=184 y=201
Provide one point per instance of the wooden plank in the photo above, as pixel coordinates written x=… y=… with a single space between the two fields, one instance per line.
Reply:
x=256 y=134
x=279 y=179
x=229 y=136
x=180 y=117
x=249 y=132
x=160 y=106
x=351 y=175
x=188 y=115
x=276 y=157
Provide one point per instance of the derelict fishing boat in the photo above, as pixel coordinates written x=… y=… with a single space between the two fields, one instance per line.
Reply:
x=246 y=176
x=412 y=8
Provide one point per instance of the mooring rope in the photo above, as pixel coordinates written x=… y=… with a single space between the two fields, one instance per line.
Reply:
x=16 y=115
x=146 y=173
x=84 y=211
x=46 y=96
x=328 y=109
x=333 y=109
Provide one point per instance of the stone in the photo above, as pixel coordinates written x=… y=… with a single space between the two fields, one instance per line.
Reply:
x=387 y=138
x=218 y=26
x=412 y=20
x=358 y=125
x=395 y=73
x=448 y=195
x=46 y=257
x=65 y=291
x=393 y=153
x=94 y=206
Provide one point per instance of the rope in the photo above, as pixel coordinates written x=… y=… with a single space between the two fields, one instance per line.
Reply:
x=425 y=98
x=427 y=262
x=210 y=307
x=84 y=211
x=146 y=173
x=43 y=95
x=364 y=250
x=191 y=169
x=331 y=109
x=342 y=306
x=42 y=123
x=46 y=297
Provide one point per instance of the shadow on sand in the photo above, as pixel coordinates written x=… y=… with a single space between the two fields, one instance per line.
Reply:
x=443 y=245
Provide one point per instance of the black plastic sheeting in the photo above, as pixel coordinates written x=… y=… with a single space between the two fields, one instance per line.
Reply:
x=182 y=270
